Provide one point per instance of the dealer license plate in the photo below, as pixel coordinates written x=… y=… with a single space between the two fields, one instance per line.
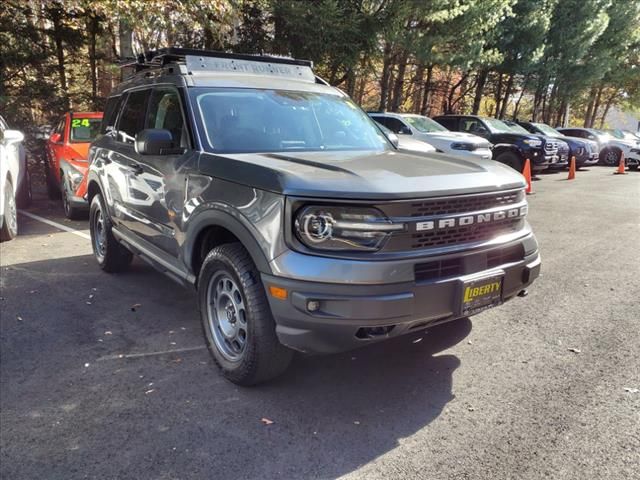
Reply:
x=480 y=294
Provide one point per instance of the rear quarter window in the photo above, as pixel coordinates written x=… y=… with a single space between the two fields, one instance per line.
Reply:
x=131 y=120
x=110 y=114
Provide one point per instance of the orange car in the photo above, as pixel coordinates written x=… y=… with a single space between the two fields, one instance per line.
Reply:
x=67 y=164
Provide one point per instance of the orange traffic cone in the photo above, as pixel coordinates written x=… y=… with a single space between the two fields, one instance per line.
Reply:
x=621 y=167
x=572 y=169
x=527 y=176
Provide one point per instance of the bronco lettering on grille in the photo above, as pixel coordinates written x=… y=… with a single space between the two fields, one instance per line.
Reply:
x=452 y=222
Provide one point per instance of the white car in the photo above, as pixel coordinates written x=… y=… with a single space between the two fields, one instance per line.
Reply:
x=458 y=144
x=15 y=185
x=407 y=143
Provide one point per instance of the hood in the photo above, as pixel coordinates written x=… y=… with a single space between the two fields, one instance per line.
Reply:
x=624 y=143
x=361 y=174
x=574 y=141
x=405 y=142
x=453 y=137
x=509 y=137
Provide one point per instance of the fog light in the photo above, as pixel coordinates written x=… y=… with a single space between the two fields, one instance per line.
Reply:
x=313 y=305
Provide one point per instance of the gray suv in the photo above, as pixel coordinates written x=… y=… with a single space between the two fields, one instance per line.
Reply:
x=301 y=226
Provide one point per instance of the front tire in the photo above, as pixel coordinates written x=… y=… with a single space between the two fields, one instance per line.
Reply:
x=610 y=156
x=109 y=253
x=512 y=160
x=236 y=318
x=9 y=229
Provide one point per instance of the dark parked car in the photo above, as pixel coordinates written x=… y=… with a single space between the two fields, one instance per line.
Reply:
x=298 y=222
x=509 y=147
x=563 y=147
x=586 y=151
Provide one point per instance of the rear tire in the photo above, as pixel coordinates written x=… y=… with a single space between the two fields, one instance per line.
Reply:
x=512 y=160
x=9 y=229
x=110 y=254
x=236 y=319
x=71 y=212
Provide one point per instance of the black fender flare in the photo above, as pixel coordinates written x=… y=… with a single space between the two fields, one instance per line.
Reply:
x=500 y=148
x=215 y=217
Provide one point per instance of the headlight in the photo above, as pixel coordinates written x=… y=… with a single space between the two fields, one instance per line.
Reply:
x=343 y=228
x=463 y=146
x=533 y=143
x=75 y=176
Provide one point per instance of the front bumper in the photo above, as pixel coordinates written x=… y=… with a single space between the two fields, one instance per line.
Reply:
x=349 y=314
x=633 y=159
x=587 y=159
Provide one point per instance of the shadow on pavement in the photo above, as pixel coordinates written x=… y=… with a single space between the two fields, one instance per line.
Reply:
x=172 y=415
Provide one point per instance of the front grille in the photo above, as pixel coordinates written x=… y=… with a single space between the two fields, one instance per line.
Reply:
x=551 y=147
x=454 y=267
x=463 y=204
x=464 y=234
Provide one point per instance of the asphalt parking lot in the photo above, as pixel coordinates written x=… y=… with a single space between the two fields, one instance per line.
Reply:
x=107 y=376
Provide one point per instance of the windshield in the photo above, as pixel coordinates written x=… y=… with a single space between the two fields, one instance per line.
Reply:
x=247 y=120
x=622 y=135
x=84 y=129
x=496 y=125
x=547 y=130
x=517 y=128
x=424 y=124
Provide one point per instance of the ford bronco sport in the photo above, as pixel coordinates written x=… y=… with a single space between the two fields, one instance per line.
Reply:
x=298 y=222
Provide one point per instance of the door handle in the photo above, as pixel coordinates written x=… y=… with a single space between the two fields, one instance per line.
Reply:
x=137 y=169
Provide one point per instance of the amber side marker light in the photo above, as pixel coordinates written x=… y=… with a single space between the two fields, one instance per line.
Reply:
x=278 y=292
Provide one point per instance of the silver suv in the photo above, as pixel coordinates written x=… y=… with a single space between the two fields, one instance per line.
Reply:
x=299 y=223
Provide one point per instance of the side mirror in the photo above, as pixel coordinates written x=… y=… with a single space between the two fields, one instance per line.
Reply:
x=55 y=138
x=393 y=138
x=12 y=136
x=405 y=131
x=154 y=141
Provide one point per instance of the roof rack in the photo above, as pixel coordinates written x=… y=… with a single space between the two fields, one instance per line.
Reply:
x=163 y=56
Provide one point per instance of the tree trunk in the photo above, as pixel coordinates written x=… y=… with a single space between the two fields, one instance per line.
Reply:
x=480 y=83
x=126 y=44
x=92 y=25
x=607 y=106
x=596 y=106
x=498 y=95
x=398 y=87
x=386 y=76
x=425 y=109
x=57 y=40
x=507 y=94
x=589 y=112
x=449 y=101
x=418 y=91
x=516 y=110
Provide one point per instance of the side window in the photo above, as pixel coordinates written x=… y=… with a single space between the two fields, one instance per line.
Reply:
x=131 y=120
x=165 y=112
x=110 y=113
x=381 y=120
x=472 y=125
x=397 y=126
x=449 y=123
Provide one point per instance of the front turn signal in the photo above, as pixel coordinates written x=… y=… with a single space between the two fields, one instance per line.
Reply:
x=278 y=292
